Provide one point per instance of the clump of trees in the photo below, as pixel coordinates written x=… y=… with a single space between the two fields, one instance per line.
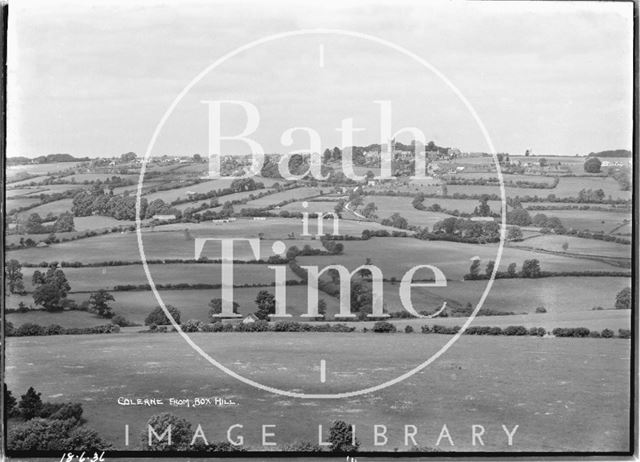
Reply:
x=623 y=299
x=592 y=165
x=49 y=426
x=159 y=318
x=13 y=277
x=51 y=289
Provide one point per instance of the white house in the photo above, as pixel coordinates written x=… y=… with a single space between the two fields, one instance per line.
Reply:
x=249 y=319
x=164 y=217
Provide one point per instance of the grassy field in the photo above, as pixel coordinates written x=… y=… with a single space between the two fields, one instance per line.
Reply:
x=556 y=295
x=577 y=245
x=40 y=169
x=388 y=205
x=21 y=202
x=297 y=193
x=569 y=391
x=84 y=279
x=55 y=207
x=157 y=245
x=395 y=256
x=588 y=219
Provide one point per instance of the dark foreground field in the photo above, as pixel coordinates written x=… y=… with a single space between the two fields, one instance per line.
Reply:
x=565 y=394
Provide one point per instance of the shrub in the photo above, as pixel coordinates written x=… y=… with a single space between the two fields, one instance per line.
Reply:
x=48 y=409
x=606 y=333
x=120 y=320
x=341 y=437
x=302 y=446
x=30 y=404
x=384 y=326
x=624 y=333
x=494 y=331
x=515 y=330
x=180 y=433
x=158 y=317
x=541 y=309
x=594 y=334
x=215 y=327
x=54 y=329
x=29 y=328
x=68 y=411
x=116 y=328
x=9 y=330
x=408 y=329
x=192 y=325
x=40 y=434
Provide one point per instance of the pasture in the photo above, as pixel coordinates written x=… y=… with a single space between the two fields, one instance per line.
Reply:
x=554 y=399
x=395 y=256
x=55 y=207
x=40 y=169
x=106 y=277
x=554 y=242
x=297 y=193
x=592 y=220
x=388 y=205
x=156 y=245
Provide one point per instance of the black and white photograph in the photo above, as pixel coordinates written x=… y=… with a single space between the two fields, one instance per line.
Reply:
x=321 y=230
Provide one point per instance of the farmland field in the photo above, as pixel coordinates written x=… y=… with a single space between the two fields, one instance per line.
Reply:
x=577 y=245
x=388 y=205
x=591 y=220
x=473 y=383
x=55 y=207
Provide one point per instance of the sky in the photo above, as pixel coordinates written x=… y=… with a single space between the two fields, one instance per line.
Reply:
x=95 y=78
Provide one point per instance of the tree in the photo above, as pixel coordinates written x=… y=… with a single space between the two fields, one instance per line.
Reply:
x=337 y=153
x=474 y=269
x=64 y=223
x=13 y=271
x=592 y=165
x=33 y=224
x=512 y=270
x=518 y=216
x=514 y=234
x=51 y=289
x=397 y=221
x=326 y=156
x=341 y=437
x=30 y=404
x=565 y=246
x=339 y=208
x=623 y=299
x=216 y=308
x=356 y=201
x=322 y=307
x=489 y=268
x=178 y=428
x=159 y=318
x=543 y=162
x=483 y=210
x=370 y=210
x=128 y=157
x=197 y=158
x=99 y=302
x=266 y=302
x=531 y=268
x=9 y=401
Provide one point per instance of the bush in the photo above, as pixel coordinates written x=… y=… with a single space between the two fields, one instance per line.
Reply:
x=384 y=326
x=120 y=320
x=30 y=404
x=40 y=434
x=571 y=332
x=541 y=309
x=341 y=437
x=606 y=333
x=68 y=411
x=408 y=329
x=594 y=334
x=515 y=330
x=54 y=329
x=9 y=330
x=116 y=328
x=29 y=329
x=215 y=327
x=624 y=333
x=192 y=325
x=302 y=446
x=158 y=317
x=180 y=433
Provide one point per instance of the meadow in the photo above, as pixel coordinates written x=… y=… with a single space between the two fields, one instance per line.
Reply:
x=388 y=205
x=576 y=245
x=566 y=382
